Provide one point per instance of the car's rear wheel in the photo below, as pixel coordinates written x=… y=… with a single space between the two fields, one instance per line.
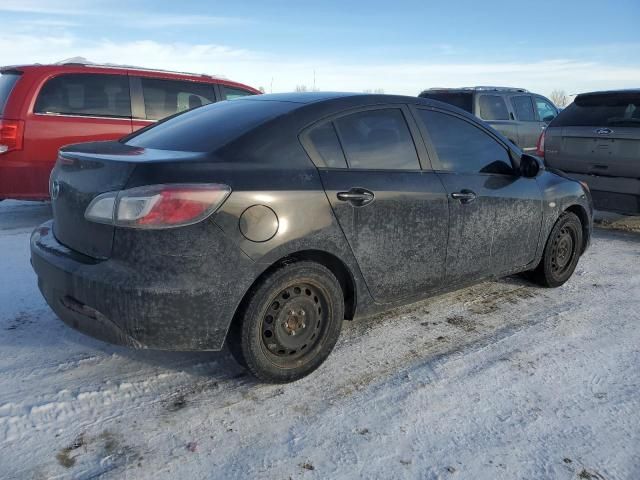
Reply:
x=561 y=253
x=290 y=323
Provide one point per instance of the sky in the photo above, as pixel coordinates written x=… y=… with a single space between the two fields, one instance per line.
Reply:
x=397 y=46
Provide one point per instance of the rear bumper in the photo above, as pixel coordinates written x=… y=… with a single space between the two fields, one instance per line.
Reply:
x=615 y=194
x=173 y=308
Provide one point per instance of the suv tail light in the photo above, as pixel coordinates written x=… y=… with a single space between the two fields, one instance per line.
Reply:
x=11 y=135
x=158 y=206
x=540 y=145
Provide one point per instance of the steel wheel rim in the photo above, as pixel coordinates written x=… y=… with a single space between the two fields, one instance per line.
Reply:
x=294 y=323
x=564 y=249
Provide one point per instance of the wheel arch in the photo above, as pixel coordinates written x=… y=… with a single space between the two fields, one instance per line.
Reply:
x=583 y=216
x=341 y=271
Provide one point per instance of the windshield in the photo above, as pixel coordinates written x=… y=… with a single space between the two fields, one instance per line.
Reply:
x=7 y=80
x=601 y=110
x=207 y=128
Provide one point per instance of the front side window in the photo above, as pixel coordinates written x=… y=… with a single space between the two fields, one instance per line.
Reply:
x=493 y=107
x=377 y=139
x=546 y=111
x=86 y=95
x=229 y=93
x=463 y=147
x=324 y=141
x=524 y=108
x=168 y=97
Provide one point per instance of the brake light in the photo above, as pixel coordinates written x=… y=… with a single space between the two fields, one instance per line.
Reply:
x=11 y=135
x=158 y=206
x=540 y=145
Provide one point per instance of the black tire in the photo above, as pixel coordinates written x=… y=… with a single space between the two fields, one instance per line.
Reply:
x=289 y=324
x=561 y=253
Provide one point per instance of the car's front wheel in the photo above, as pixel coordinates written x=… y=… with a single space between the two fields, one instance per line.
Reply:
x=561 y=253
x=290 y=323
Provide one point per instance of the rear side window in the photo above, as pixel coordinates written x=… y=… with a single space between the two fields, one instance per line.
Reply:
x=168 y=97
x=323 y=140
x=229 y=93
x=493 y=107
x=464 y=148
x=7 y=81
x=524 y=108
x=610 y=110
x=377 y=139
x=460 y=100
x=87 y=95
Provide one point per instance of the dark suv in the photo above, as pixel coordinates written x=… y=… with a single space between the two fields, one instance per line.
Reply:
x=515 y=112
x=267 y=220
x=596 y=139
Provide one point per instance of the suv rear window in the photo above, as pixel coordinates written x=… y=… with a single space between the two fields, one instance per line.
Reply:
x=87 y=95
x=7 y=80
x=457 y=99
x=604 y=110
x=208 y=128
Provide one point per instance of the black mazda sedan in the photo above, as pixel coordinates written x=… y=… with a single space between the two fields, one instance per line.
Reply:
x=266 y=221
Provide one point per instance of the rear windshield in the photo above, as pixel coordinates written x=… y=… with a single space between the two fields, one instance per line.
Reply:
x=606 y=110
x=459 y=99
x=7 y=81
x=207 y=128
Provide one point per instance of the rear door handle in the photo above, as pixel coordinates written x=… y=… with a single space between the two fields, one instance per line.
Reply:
x=358 y=197
x=465 y=196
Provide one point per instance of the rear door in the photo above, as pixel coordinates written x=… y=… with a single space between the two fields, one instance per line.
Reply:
x=529 y=127
x=393 y=215
x=74 y=108
x=494 y=214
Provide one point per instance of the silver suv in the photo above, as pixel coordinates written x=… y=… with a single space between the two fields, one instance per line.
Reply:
x=518 y=114
x=596 y=140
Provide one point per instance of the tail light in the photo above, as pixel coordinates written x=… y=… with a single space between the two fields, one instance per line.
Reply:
x=11 y=135
x=158 y=206
x=540 y=145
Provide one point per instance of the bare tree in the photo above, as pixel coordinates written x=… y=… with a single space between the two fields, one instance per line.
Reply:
x=301 y=88
x=375 y=90
x=559 y=98
x=261 y=89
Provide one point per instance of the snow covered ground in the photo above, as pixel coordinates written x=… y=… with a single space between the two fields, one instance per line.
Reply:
x=503 y=380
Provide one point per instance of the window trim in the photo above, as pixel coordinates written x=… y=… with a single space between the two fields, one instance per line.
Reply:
x=433 y=153
x=52 y=77
x=424 y=161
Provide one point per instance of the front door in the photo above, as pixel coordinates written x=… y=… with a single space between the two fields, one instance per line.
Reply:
x=495 y=214
x=393 y=215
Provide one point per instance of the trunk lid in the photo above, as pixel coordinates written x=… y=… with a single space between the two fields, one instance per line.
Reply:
x=84 y=171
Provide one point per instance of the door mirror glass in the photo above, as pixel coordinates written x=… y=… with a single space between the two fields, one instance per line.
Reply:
x=530 y=166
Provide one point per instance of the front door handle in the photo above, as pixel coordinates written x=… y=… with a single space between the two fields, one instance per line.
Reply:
x=465 y=196
x=358 y=197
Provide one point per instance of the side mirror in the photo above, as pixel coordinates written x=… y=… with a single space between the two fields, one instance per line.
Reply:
x=530 y=166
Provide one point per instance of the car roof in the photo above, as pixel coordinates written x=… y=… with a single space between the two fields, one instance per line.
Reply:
x=611 y=92
x=79 y=67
